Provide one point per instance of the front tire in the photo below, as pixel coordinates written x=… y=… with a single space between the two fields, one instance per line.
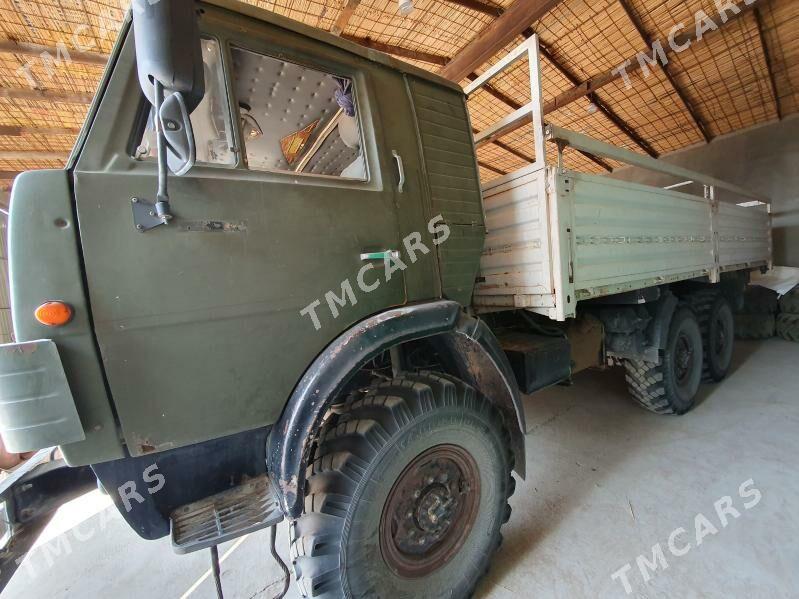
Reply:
x=671 y=386
x=406 y=494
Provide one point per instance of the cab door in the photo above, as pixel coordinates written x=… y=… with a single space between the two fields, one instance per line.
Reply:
x=277 y=242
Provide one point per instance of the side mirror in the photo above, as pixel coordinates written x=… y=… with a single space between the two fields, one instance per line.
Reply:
x=172 y=76
x=178 y=134
x=168 y=49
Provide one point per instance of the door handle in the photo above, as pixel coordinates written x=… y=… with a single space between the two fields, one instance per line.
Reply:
x=401 y=170
x=393 y=254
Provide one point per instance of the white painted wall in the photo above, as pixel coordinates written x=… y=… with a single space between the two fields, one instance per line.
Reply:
x=764 y=159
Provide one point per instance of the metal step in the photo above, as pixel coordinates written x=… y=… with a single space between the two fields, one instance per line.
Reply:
x=238 y=511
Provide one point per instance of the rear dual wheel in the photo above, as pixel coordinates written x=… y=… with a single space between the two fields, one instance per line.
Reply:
x=406 y=494
x=717 y=323
x=670 y=387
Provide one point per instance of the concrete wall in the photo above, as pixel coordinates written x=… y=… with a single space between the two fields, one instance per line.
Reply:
x=764 y=159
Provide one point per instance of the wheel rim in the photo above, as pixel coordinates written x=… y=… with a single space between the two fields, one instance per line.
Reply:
x=683 y=358
x=430 y=511
x=722 y=336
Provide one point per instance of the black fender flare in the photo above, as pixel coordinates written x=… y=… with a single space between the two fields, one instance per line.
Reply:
x=661 y=318
x=473 y=350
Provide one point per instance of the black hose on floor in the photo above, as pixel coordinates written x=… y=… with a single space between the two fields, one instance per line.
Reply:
x=281 y=563
x=215 y=571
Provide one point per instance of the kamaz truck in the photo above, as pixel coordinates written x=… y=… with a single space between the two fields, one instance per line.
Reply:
x=268 y=285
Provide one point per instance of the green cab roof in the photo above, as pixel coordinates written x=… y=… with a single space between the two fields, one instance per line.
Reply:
x=328 y=38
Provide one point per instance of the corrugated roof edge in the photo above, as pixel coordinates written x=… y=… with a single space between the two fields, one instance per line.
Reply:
x=328 y=38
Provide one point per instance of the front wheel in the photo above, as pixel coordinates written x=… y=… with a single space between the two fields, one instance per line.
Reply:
x=406 y=494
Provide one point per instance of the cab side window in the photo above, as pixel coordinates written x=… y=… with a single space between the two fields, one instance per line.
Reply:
x=296 y=119
x=210 y=120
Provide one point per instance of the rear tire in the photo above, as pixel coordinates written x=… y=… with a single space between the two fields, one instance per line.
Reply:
x=754 y=326
x=788 y=327
x=759 y=300
x=718 y=337
x=790 y=301
x=406 y=494
x=670 y=387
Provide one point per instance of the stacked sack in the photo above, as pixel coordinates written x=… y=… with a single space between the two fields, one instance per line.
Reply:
x=757 y=319
x=788 y=318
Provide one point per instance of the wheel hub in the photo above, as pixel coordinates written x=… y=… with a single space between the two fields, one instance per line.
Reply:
x=684 y=357
x=430 y=511
x=721 y=336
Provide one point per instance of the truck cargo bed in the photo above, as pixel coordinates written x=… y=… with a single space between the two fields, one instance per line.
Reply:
x=556 y=237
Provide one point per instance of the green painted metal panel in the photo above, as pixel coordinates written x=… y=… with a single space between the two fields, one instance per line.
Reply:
x=446 y=145
x=45 y=265
x=200 y=332
x=36 y=405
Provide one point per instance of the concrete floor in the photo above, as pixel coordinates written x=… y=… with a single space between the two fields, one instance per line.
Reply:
x=607 y=481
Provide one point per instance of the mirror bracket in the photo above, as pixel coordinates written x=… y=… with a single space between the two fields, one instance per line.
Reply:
x=145 y=214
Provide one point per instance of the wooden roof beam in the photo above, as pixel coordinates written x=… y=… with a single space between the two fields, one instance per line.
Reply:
x=33 y=155
x=493 y=169
x=8 y=175
x=18 y=131
x=761 y=31
x=504 y=98
x=667 y=71
x=63 y=52
x=617 y=120
x=428 y=57
x=347 y=10
x=616 y=73
x=492 y=10
x=46 y=95
x=495 y=37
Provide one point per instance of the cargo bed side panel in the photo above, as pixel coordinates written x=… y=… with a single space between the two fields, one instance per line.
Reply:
x=516 y=267
x=744 y=235
x=628 y=236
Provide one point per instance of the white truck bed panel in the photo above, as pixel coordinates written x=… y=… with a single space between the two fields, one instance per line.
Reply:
x=516 y=257
x=556 y=238
x=744 y=235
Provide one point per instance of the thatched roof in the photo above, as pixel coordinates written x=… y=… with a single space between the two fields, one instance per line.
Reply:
x=741 y=74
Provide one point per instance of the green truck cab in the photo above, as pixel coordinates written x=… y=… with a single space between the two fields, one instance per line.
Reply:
x=300 y=251
x=284 y=327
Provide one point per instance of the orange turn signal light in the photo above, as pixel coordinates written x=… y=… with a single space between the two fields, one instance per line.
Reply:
x=54 y=314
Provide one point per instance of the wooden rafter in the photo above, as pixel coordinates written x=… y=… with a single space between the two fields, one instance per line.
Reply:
x=492 y=10
x=17 y=131
x=614 y=74
x=48 y=95
x=493 y=169
x=32 y=155
x=64 y=53
x=668 y=72
x=347 y=10
x=761 y=31
x=597 y=82
x=614 y=118
x=505 y=99
x=495 y=37
x=8 y=175
x=428 y=57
